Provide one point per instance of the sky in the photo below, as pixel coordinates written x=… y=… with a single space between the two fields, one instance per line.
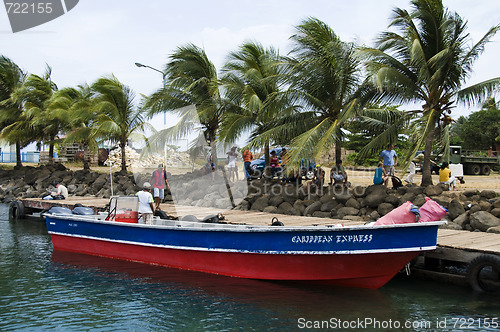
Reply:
x=98 y=38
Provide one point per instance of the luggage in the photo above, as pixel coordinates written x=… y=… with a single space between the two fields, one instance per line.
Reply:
x=405 y=213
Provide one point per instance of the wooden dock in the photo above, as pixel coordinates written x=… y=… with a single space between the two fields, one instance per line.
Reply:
x=457 y=251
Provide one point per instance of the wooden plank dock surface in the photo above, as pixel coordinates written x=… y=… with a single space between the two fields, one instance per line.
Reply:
x=471 y=241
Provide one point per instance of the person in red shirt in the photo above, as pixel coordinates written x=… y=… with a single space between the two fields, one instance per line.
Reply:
x=159 y=180
x=247 y=159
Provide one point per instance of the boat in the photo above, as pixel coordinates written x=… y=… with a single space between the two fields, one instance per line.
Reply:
x=364 y=256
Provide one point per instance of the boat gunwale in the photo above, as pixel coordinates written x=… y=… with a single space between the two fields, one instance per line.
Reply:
x=228 y=227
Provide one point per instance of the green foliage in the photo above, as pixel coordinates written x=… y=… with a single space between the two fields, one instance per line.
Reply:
x=480 y=130
x=428 y=59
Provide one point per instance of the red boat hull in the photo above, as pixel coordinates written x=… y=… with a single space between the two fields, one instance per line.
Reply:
x=368 y=270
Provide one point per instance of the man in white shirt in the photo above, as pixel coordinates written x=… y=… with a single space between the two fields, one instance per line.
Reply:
x=146 y=206
x=61 y=193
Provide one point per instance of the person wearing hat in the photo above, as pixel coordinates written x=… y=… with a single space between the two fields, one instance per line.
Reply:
x=146 y=207
x=159 y=180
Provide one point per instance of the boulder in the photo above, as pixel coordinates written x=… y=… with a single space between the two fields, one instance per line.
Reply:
x=286 y=208
x=470 y=192
x=347 y=211
x=496 y=203
x=433 y=190
x=495 y=212
x=260 y=204
x=316 y=206
x=407 y=197
x=442 y=200
x=483 y=220
x=451 y=225
x=455 y=208
x=321 y=214
x=488 y=194
x=276 y=200
x=359 y=191
x=299 y=206
x=462 y=220
x=393 y=199
x=352 y=202
x=375 y=198
x=343 y=195
x=328 y=206
x=385 y=208
x=270 y=209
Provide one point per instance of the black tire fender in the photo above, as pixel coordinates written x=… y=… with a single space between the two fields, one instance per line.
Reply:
x=475 y=268
x=16 y=210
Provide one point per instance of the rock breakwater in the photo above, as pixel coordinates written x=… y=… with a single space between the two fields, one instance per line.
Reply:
x=467 y=210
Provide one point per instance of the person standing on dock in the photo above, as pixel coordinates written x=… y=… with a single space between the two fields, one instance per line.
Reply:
x=159 y=180
x=146 y=207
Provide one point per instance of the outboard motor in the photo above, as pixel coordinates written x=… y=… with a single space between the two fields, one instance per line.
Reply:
x=60 y=210
x=83 y=211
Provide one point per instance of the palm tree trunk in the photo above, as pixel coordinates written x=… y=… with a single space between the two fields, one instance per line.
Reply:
x=19 y=162
x=426 y=170
x=86 y=164
x=267 y=169
x=338 y=151
x=51 y=151
x=124 y=160
x=213 y=147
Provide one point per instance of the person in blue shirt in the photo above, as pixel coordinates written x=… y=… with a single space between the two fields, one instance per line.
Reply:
x=380 y=174
x=390 y=159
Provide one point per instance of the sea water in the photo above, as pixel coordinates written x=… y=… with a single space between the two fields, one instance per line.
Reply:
x=43 y=290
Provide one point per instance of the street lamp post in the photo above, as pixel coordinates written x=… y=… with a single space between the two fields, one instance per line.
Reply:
x=138 y=64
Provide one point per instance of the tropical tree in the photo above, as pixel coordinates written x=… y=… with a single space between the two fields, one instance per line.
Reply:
x=81 y=125
x=375 y=127
x=480 y=130
x=12 y=80
x=119 y=118
x=45 y=123
x=190 y=79
x=428 y=60
x=327 y=78
x=254 y=84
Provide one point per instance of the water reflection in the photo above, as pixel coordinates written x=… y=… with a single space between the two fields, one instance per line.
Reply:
x=45 y=290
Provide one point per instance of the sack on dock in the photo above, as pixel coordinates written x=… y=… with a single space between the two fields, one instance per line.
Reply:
x=432 y=211
x=406 y=213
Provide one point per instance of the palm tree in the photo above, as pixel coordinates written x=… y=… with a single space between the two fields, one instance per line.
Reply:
x=118 y=119
x=190 y=79
x=327 y=78
x=254 y=81
x=428 y=60
x=12 y=80
x=81 y=125
x=45 y=123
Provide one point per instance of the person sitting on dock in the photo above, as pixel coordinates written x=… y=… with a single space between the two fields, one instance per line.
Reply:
x=338 y=175
x=61 y=193
x=146 y=206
